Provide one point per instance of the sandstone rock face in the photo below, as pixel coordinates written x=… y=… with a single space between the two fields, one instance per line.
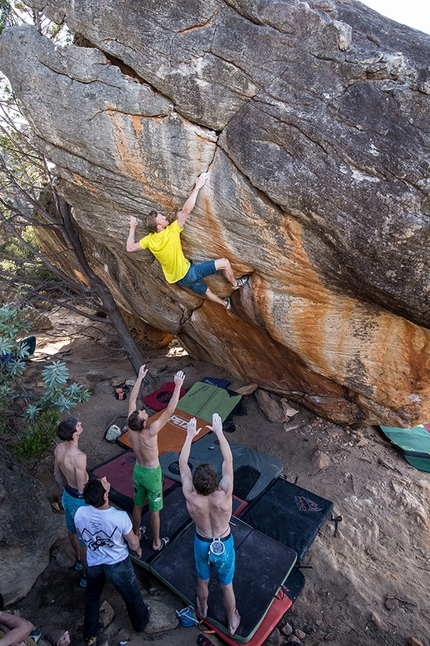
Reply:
x=28 y=528
x=312 y=119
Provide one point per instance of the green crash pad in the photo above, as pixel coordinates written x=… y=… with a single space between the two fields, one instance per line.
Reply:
x=202 y=400
x=414 y=443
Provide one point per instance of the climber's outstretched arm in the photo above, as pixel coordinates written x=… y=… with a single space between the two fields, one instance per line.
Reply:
x=131 y=244
x=191 y=201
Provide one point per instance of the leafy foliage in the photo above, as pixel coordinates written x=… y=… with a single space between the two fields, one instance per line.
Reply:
x=58 y=397
x=12 y=352
x=14 y=12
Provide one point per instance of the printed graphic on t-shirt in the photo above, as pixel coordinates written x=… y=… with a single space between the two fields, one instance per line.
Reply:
x=98 y=539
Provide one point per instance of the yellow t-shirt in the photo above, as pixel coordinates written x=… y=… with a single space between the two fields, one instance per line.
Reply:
x=166 y=247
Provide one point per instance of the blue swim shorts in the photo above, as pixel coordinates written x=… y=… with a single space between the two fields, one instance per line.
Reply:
x=193 y=278
x=71 y=504
x=224 y=564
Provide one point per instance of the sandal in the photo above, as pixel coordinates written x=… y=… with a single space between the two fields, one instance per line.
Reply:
x=36 y=635
x=164 y=543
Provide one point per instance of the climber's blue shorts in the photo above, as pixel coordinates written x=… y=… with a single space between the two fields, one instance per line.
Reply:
x=193 y=278
x=224 y=564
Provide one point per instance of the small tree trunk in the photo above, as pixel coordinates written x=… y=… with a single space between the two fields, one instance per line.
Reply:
x=73 y=240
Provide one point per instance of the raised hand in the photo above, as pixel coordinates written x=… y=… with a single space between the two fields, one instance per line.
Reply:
x=216 y=424
x=179 y=378
x=192 y=431
x=133 y=222
x=142 y=372
x=200 y=181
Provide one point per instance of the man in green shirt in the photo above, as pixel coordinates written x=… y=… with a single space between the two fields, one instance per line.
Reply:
x=164 y=242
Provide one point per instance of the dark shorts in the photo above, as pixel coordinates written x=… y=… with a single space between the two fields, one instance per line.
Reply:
x=223 y=564
x=193 y=278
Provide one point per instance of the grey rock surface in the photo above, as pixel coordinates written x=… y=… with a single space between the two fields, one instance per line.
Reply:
x=312 y=119
x=28 y=529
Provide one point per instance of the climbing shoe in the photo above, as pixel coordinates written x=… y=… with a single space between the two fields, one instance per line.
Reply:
x=241 y=282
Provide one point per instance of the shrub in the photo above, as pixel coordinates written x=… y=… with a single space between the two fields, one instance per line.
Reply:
x=58 y=397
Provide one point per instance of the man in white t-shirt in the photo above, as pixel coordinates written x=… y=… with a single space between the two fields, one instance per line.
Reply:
x=107 y=533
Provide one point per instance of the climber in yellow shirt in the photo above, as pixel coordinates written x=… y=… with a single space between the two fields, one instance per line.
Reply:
x=164 y=241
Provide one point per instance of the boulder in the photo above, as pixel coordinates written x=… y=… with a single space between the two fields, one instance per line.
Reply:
x=65 y=555
x=161 y=617
x=269 y=406
x=312 y=120
x=321 y=460
x=107 y=614
x=28 y=529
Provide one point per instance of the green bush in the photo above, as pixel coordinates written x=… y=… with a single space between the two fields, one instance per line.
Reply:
x=58 y=397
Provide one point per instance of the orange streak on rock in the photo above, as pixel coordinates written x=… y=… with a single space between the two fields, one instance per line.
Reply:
x=83 y=182
x=381 y=358
x=132 y=160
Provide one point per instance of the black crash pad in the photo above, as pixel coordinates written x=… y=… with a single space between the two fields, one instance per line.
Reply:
x=262 y=566
x=289 y=514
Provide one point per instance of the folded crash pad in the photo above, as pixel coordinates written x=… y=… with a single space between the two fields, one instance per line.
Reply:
x=221 y=383
x=289 y=514
x=253 y=471
x=172 y=435
x=413 y=442
x=283 y=601
x=203 y=399
x=280 y=605
x=159 y=399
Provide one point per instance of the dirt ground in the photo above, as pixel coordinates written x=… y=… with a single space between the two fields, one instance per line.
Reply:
x=369 y=585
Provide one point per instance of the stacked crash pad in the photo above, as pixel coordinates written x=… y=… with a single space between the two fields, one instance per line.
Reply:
x=262 y=566
x=266 y=583
x=253 y=471
x=172 y=435
x=201 y=401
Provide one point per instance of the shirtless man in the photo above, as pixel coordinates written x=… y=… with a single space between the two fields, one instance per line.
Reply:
x=147 y=474
x=164 y=241
x=210 y=507
x=14 y=630
x=70 y=471
x=17 y=631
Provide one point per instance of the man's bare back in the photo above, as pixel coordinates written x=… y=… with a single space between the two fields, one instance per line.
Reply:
x=70 y=472
x=70 y=465
x=211 y=514
x=210 y=507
